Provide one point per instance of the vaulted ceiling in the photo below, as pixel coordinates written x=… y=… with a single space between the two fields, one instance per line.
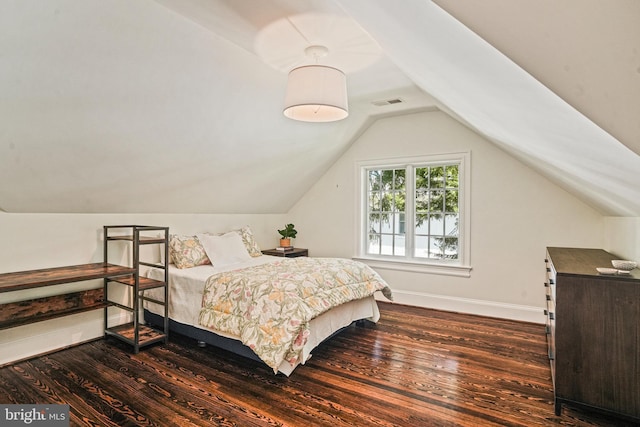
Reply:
x=176 y=105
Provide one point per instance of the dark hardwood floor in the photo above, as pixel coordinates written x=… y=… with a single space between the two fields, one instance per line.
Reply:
x=416 y=367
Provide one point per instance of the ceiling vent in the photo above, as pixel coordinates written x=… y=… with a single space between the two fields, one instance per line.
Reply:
x=387 y=102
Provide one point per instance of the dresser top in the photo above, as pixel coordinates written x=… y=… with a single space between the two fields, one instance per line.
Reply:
x=583 y=262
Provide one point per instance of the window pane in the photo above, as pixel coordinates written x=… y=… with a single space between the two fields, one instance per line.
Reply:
x=422 y=225
x=374 y=244
x=420 y=247
x=399 y=179
x=436 y=246
x=374 y=179
x=436 y=177
x=451 y=225
x=452 y=176
x=451 y=201
x=374 y=201
x=397 y=219
x=437 y=201
x=374 y=223
x=436 y=225
x=387 y=180
x=422 y=178
x=422 y=202
x=387 y=245
x=399 y=198
x=451 y=247
x=387 y=223
x=386 y=202
x=399 y=245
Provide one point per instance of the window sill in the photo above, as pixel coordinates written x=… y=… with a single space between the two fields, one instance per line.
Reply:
x=415 y=267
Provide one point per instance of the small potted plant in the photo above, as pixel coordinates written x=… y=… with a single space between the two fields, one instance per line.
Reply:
x=288 y=232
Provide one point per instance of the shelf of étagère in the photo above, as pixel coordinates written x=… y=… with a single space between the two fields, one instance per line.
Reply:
x=58 y=275
x=146 y=335
x=41 y=309
x=144 y=283
x=143 y=240
x=24 y=312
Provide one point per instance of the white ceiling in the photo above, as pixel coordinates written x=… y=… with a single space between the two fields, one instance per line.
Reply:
x=176 y=105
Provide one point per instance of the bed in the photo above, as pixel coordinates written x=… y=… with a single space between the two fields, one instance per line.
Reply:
x=201 y=297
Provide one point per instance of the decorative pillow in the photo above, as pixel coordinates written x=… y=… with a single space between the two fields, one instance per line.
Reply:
x=247 y=238
x=225 y=249
x=249 y=241
x=186 y=251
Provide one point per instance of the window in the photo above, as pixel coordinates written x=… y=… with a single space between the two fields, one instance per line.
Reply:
x=415 y=210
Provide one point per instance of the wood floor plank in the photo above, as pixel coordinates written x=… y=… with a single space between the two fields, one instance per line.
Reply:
x=415 y=367
x=173 y=397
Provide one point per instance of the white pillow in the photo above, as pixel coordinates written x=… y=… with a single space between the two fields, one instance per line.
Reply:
x=225 y=249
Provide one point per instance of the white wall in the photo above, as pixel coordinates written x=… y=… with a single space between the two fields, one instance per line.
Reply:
x=35 y=241
x=515 y=214
x=622 y=237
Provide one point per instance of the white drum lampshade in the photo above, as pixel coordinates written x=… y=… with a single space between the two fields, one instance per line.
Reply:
x=316 y=93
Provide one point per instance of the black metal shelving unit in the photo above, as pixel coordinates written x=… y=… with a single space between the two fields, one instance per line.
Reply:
x=135 y=332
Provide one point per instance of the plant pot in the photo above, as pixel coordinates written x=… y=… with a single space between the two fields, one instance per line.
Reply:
x=285 y=242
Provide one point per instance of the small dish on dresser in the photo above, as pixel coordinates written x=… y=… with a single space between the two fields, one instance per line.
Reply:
x=623 y=264
x=603 y=270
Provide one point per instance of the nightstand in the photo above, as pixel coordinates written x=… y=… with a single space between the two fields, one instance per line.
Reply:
x=294 y=253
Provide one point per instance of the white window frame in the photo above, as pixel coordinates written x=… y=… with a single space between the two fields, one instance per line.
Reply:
x=458 y=267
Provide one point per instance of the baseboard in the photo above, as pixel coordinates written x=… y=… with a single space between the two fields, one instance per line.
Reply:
x=501 y=310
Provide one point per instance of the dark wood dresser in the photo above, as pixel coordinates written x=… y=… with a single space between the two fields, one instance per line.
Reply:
x=593 y=332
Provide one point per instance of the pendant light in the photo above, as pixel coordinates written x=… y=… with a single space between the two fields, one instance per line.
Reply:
x=316 y=93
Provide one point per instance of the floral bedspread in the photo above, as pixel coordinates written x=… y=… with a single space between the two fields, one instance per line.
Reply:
x=269 y=306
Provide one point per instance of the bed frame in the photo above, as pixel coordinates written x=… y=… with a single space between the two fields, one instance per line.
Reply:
x=203 y=336
x=207 y=337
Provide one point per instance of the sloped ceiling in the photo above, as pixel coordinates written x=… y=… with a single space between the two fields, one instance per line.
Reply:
x=176 y=105
x=585 y=51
